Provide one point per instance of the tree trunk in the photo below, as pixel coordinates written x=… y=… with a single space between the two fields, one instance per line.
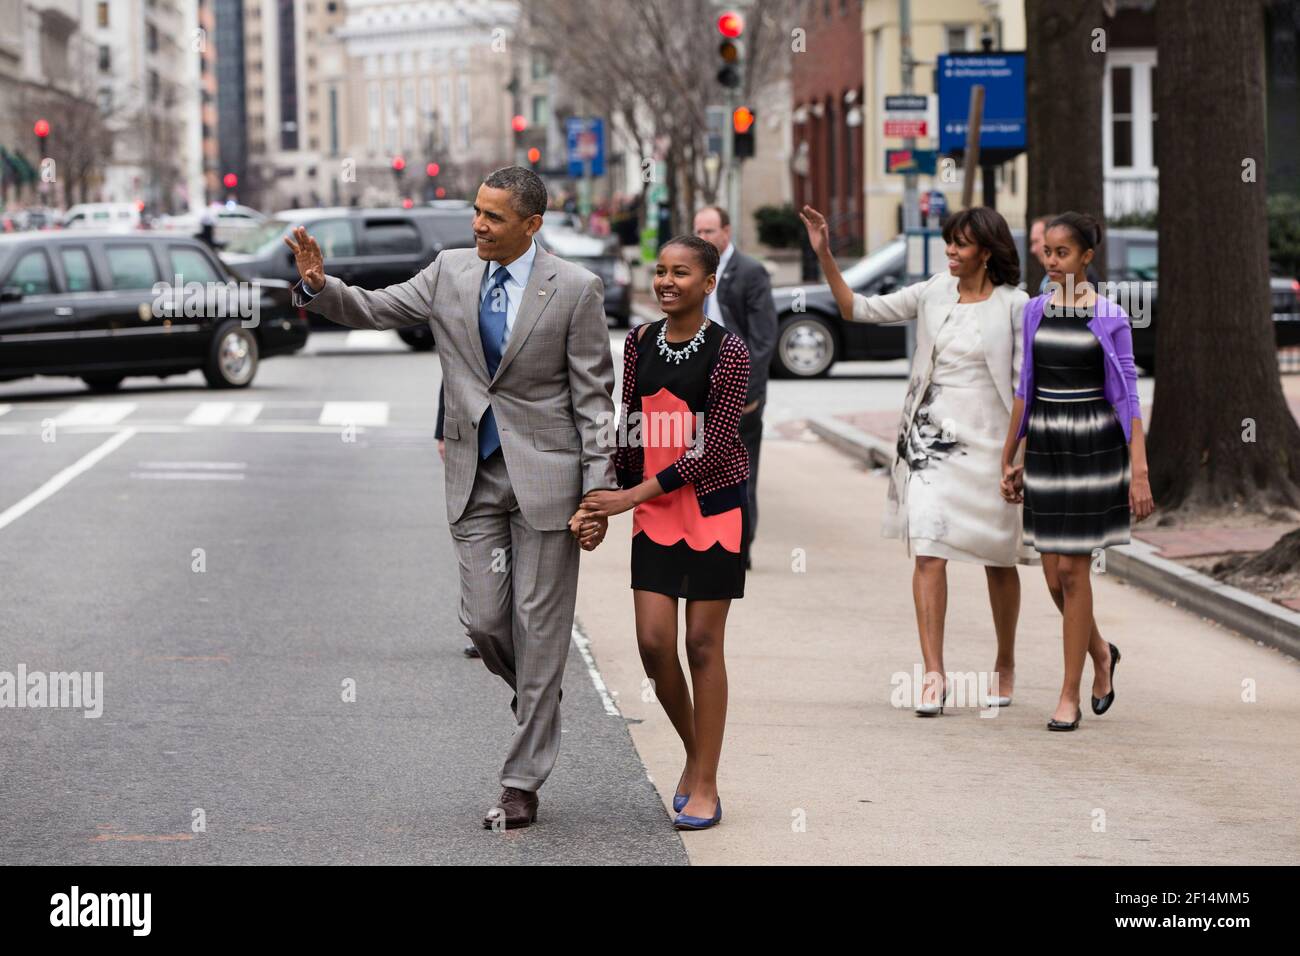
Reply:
x=1222 y=436
x=1063 y=92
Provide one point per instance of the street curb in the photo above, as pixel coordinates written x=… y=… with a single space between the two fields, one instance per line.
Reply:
x=1136 y=563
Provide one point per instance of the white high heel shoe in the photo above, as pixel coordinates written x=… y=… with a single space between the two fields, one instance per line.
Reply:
x=931 y=710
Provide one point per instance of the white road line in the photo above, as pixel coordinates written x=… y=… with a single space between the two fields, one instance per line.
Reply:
x=196 y=465
x=5 y=408
x=95 y=413
x=210 y=413
x=85 y=462
x=373 y=339
x=189 y=475
x=245 y=413
x=584 y=648
x=354 y=413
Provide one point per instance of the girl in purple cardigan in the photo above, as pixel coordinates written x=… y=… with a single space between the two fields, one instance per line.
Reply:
x=1084 y=472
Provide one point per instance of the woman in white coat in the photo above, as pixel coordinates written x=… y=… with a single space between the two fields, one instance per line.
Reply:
x=955 y=418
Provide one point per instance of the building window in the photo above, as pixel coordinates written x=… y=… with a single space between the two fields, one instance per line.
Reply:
x=1121 y=117
x=373 y=112
x=541 y=65
x=463 y=112
x=1129 y=112
x=102 y=13
x=955 y=39
x=105 y=59
x=151 y=38
x=541 y=110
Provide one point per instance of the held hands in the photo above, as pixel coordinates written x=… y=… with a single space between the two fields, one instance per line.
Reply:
x=589 y=531
x=604 y=504
x=1013 y=483
x=307 y=257
x=819 y=234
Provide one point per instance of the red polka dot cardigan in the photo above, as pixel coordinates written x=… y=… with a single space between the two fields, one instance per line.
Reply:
x=720 y=469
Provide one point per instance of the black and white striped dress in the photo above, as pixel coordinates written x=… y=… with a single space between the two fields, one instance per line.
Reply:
x=1076 y=458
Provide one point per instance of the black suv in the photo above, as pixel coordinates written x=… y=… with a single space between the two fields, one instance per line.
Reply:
x=105 y=305
x=369 y=248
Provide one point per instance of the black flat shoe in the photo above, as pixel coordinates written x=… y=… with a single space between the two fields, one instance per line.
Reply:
x=1055 y=724
x=1102 y=704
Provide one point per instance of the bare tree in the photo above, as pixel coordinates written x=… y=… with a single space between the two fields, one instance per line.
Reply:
x=1222 y=437
x=651 y=64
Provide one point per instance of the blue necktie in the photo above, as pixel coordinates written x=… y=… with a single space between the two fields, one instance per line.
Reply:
x=492 y=330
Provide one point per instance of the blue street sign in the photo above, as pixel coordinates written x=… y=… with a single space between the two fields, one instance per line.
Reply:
x=938 y=205
x=585 y=139
x=1002 y=75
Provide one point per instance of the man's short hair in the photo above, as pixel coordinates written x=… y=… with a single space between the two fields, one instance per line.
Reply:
x=723 y=219
x=527 y=191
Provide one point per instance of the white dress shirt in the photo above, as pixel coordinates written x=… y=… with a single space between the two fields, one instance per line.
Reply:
x=712 y=309
x=519 y=271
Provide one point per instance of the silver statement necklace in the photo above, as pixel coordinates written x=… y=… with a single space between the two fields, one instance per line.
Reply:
x=677 y=355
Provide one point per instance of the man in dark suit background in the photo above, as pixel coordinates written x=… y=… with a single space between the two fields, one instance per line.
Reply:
x=742 y=303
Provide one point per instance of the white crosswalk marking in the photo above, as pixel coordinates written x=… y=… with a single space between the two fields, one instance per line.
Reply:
x=354 y=413
x=95 y=413
x=224 y=413
x=209 y=413
x=373 y=339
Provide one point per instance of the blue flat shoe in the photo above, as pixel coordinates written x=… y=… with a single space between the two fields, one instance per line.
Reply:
x=679 y=801
x=686 y=822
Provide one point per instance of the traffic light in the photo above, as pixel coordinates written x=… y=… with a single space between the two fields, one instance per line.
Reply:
x=742 y=128
x=534 y=157
x=731 y=25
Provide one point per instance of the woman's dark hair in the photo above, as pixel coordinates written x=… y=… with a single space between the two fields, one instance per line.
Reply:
x=706 y=254
x=1085 y=229
x=987 y=229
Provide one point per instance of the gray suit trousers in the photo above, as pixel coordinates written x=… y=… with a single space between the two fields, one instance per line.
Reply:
x=517 y=591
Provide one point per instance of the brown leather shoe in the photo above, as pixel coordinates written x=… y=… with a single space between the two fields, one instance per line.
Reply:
x=518 y=807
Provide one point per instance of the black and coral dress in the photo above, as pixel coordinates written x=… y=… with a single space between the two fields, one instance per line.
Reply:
x=683 y=421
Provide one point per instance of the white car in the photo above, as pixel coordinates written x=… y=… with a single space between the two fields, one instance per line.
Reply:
x=229 y=222
x=102 y=215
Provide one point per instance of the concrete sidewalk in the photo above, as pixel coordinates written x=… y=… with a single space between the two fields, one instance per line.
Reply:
x=819 y=767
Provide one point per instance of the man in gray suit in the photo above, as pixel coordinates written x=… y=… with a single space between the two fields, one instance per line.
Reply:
x=528 y=383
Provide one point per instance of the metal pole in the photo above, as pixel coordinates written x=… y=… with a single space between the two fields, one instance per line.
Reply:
x=911 y=208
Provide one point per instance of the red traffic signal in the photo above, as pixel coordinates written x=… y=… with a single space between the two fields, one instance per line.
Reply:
x=432 y=169
x=534 y=155
x=398 y=164
x=407 y=203
x=42 y=128
x=731 y=24
x=742 y=118
x=440 y=192
x=519 y=123
x=230 y=180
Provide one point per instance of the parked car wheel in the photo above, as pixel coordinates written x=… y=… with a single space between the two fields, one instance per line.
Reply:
x=232 y=357
x=806 y=347
x=103 y=383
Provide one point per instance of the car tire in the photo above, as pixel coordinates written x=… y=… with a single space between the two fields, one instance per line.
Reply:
x=417 y=342
x=103 y=383
x=232 y=357
x=806 y=347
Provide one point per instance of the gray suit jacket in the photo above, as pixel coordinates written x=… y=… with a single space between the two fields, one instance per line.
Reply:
x=745 y=297
x=551 y=395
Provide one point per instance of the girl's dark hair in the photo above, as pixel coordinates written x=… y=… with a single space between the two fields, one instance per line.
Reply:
x=706 y=254
x=987 y=229
x=1085 y=229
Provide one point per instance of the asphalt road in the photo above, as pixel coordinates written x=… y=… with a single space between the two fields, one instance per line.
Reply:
x=326 y=564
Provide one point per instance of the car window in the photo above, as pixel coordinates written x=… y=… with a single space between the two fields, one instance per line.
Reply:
x=1141 y=262
x=31 y=274
x=130 y=267
x=453 y=230
x=192 y=265
x=76 y=269
x=334 y=236
x=391 y=237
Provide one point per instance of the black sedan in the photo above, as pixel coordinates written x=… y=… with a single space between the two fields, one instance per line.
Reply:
x=103 y=306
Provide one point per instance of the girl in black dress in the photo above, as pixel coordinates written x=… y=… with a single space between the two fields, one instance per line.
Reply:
x=1085 y=467
x=683 y=468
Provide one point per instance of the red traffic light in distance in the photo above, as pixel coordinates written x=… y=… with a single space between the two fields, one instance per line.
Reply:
x=399 y=163
x=407 y=203
x=440 y=193
x=519 y=123
x=432 y=169
x=42 y=128
x=534 y=155
x=230 y=180
x=742 y=118
x=731 y=24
